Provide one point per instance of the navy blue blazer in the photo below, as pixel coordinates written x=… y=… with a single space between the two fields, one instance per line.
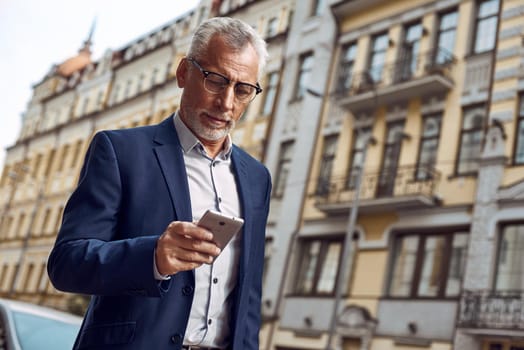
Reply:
x=132 y=184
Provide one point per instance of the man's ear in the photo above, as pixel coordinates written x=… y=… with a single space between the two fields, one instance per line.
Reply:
x=181 y=73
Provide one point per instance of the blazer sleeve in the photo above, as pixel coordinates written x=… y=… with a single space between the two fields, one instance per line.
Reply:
x=253 y=316
x=88 y=256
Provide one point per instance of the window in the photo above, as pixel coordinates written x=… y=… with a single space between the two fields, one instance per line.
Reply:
x=427 y=157
x=127 y=90
x=45 y=221
x=410 y=51
x=519 y=147
x=347 y=62
x=318 y=267
x=428 y=265
x=36 y=166
x=510 y=260
x=471 y=140
x=28 y=277
x=486 y=26
x=154 y=76
x=326 y=164
x=390 y=159
x=77 y=154
x=140 y=83
x=377 y=56
x=284 y=165
x=49 y=163
x=306 y=66
x=100 y=100
x=58 y=219
x=61 y=161
x=272 y=27
x=85 y=106
x=318 y=7
x=270 y=93
x=447 y=32
x=360 y=138
x=267 y=256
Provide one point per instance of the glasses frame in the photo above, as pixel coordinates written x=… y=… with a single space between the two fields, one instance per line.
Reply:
x=207 y=73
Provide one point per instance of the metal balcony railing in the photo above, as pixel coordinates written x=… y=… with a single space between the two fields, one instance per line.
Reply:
x=406 y=181
x=492 y=309
x=433 y=62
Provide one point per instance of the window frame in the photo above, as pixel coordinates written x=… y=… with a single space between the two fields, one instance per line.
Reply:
x=470 y=131
x=519 y=132
x=417 y=272
x=327 y=160
x=346 y=66
x=306 y=63
x=373 y=52
x=325 y=243
x=447 y=30
x=283 y=167
x=484 y=19
x=420 y=173
x=270 y=93
x=501 y=231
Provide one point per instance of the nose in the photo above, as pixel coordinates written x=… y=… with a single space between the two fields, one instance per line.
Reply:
x=226 y=99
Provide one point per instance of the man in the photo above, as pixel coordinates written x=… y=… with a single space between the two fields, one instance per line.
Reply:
x=129 y=235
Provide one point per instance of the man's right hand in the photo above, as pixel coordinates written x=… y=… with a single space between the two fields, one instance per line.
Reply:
x=184 y=246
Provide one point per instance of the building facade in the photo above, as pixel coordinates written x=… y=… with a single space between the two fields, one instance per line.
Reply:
x=394 y=131
x=420 y=138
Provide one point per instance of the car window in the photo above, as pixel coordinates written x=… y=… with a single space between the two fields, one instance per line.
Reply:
x=40 y=333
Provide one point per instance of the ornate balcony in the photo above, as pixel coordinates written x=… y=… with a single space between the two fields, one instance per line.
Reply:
x=488 y=309
x=396 y=189
x=426 y=74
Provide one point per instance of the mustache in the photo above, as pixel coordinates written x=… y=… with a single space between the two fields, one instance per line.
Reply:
x=226 y=117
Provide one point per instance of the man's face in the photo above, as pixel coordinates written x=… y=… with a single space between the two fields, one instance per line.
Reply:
x=212 y=116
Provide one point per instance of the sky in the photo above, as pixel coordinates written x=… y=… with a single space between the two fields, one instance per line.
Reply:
x=35 y=34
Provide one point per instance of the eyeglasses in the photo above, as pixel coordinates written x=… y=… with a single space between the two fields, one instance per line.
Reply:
x=216 y=83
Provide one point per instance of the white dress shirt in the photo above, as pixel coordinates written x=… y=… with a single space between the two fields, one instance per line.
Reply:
x=211 y=186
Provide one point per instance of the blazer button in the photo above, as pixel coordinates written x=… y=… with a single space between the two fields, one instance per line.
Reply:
x=187 y=290
x=176 y=339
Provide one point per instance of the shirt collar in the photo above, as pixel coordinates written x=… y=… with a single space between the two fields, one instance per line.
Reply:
x=189 y=141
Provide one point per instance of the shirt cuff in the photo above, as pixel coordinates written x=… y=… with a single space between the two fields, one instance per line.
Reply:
x=158 y=275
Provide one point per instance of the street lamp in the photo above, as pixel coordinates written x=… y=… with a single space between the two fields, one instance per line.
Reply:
x=343 y=276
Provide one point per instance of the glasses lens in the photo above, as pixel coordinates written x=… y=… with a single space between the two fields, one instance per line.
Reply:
x=244 y=92
x=215 y=83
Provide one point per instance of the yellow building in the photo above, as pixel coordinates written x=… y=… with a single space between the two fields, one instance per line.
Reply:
x=423 y=120
x=398 y=124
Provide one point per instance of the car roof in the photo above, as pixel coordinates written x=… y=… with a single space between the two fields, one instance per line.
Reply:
x=19 y=306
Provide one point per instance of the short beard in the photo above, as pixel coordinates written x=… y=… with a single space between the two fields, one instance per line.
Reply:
x=192 y=121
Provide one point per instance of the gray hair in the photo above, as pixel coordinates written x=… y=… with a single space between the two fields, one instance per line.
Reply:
x=235 y=33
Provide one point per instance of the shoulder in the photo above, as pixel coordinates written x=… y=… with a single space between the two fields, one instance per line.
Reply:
x=246 y=160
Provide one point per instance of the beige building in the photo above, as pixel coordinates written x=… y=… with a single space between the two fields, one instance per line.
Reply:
x=417 y=106
x=425 y=107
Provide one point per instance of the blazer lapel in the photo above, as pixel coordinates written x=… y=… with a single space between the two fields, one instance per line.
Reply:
x=171 y=160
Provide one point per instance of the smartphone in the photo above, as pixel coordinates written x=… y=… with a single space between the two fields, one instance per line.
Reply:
x=222 y=226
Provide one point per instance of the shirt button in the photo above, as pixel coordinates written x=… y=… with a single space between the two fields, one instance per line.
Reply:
x=187 y=290
x=209 y=321
x=219 y=199
x=215 y=280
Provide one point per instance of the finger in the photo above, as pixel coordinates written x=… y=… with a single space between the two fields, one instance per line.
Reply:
x=189 y=229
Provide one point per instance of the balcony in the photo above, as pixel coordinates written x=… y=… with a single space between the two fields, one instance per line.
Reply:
x=406 y=187
x=492 y=310
x=426 y=74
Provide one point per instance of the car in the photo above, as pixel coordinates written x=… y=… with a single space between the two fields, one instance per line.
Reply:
x=25 y=326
